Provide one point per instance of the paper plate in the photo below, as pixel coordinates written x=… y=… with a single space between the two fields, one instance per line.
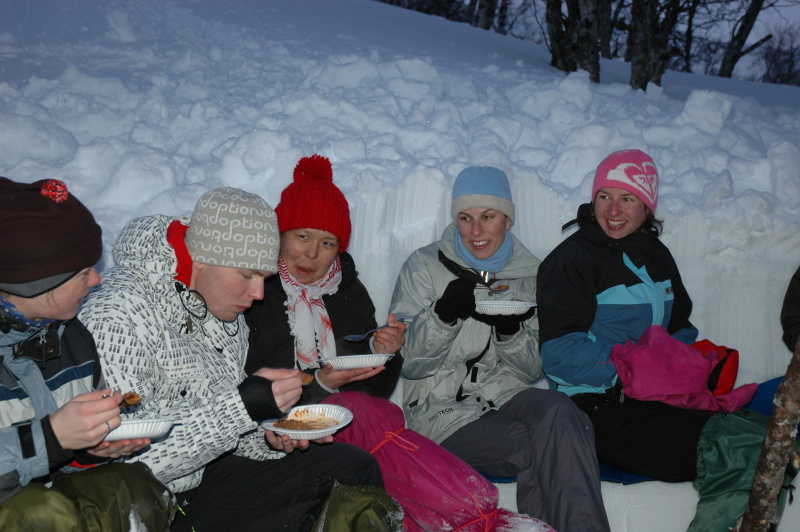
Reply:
x=140 y=428
x=503 y=307
x=356 y=361
x=337 y=416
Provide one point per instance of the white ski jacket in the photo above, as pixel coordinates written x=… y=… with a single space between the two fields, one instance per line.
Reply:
x=455 y=374
x=145 y=343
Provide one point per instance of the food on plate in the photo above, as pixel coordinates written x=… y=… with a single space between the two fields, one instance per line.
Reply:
x=294 y=424
x=303 y=419
x=310 y=422
x=130 y=399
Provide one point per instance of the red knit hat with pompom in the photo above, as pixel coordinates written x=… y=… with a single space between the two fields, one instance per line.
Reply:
x=312 y=201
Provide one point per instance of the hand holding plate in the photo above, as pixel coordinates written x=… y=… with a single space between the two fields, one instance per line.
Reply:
x=335 y=378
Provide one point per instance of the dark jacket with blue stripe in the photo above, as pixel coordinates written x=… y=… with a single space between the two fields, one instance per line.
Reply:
x=40 y=370
x=594 y=292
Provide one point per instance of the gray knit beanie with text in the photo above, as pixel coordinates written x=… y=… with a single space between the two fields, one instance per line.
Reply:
x=234 y=228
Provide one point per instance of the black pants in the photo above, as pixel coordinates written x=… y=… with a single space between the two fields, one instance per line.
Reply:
x=287 y=494
x=647 y=438
x=540 y=437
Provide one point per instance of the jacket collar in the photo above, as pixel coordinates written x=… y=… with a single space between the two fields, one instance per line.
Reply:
x=39 y=344
x=637 y=245
x=518 y=266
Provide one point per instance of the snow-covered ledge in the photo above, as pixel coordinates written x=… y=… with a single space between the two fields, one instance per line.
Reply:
x=650 y=506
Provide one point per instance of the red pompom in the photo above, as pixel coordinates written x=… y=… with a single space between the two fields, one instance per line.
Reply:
x=316 y=166
x=55 y=190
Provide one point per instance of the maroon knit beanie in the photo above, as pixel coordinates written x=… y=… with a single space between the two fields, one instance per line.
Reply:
x=312 y=201
x=48 y=236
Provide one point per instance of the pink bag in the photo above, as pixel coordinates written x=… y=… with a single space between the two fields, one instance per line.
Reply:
x=437 y=490
x=660 y=368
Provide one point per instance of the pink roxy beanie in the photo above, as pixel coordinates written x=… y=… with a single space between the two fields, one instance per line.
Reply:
x=631 y=170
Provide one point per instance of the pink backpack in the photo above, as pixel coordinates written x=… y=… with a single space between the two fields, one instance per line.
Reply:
x=660 y=368
x=437 y=490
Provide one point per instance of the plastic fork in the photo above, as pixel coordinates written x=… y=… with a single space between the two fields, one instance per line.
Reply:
x=362 y=337
x=496 y=289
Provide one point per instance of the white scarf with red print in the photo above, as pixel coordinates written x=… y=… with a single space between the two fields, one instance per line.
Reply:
x=308 y=317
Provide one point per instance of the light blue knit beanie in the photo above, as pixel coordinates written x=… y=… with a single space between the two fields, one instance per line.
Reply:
x=482 y=186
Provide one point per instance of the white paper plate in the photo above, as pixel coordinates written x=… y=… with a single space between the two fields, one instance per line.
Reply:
x=140 y=428
x=503 y=307
x=339 y=414
x=356 y=361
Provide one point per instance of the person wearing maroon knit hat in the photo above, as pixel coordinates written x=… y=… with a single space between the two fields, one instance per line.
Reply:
x=55 y=410
x=317 y=298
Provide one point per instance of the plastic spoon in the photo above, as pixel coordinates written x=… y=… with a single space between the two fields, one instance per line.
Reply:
x=362 y=337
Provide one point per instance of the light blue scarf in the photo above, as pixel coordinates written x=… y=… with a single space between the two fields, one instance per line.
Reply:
x=493 y=264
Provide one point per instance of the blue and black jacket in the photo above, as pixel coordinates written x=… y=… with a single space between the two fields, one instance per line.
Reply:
x=594 y=292
x=40 y=370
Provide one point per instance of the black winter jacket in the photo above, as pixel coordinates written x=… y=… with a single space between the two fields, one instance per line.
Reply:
x=351 y=311
x=790 y=312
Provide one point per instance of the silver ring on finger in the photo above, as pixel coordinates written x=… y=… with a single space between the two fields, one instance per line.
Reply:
x=109 y=426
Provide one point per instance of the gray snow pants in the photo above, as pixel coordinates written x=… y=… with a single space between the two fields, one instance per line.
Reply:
x=547 y=442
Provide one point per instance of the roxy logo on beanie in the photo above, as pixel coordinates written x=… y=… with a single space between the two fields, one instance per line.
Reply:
x=312 y=201
x=482 y=186
x=631 y=170
x=234 y=228
x=48 y=236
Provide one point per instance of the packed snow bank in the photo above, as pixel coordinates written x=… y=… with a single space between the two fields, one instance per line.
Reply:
x=143 y=106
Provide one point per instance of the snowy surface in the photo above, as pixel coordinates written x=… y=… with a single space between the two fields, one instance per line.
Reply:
x=143 y=106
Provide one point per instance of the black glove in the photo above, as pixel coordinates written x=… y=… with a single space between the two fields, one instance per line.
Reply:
x=256 y=394
x=458 y=300
x=505 y=325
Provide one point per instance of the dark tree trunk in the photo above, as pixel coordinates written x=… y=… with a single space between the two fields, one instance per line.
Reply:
x=734 y=50
x=574 y=38
x=649 y=40
x=607 y=22
x=687 y=51
x=469 y=16
x=486 y=11
x=561 y=55
x=780 y=446
x=502 y=17
x=587 y=42
x=643 y=17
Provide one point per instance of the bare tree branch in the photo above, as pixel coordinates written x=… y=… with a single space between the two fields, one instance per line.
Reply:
x=756 y=45
x=741 y=32
x=780 y=444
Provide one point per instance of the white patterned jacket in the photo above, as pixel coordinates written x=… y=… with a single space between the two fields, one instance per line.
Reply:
x=140 y=326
